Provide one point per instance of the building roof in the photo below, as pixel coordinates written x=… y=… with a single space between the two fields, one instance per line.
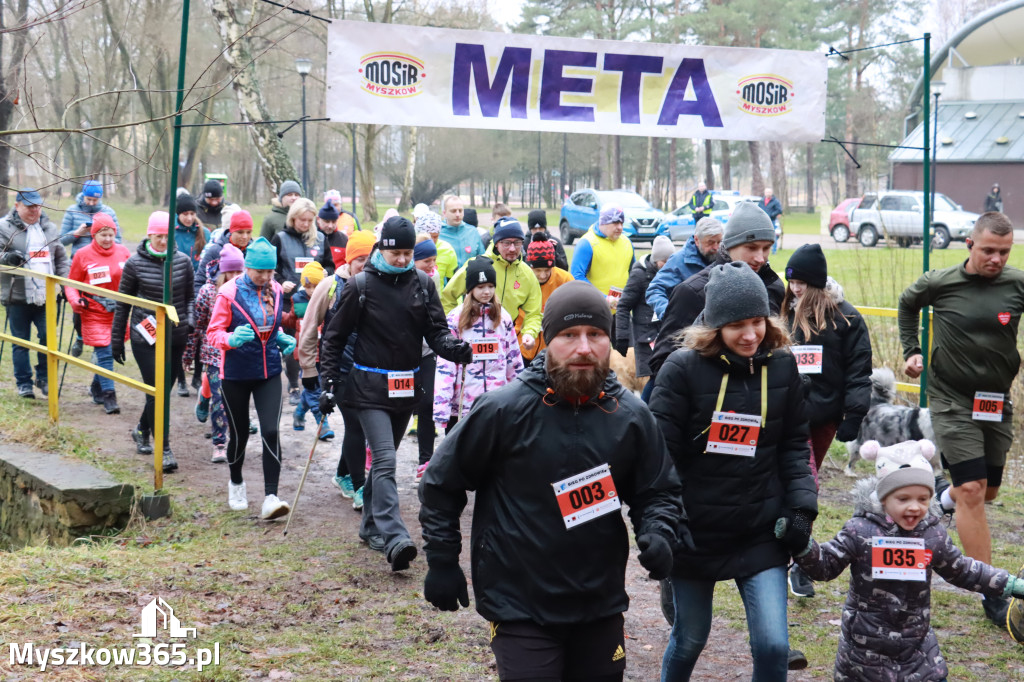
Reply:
x=967 y=139
x=995 y=36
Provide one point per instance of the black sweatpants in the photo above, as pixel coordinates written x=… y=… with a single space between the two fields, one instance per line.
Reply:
x=145 y=357
x=353 y=449
x=266 y=396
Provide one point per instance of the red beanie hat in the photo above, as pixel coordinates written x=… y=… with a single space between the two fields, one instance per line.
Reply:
x=541 y=252
x=100 y=221
x=240 y=220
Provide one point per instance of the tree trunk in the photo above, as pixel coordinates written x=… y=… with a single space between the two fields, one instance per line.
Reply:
x=726 y=166
x=709 y=169
x=10 y=74
x=602 y=163
x=756 y=179
x=404 y=203
x=777 y=169
x=366 y=174
x=472 y=190
x=811 y=203
x=617 y=162
x=645 y=183
x=672 y=179
x=269 y=148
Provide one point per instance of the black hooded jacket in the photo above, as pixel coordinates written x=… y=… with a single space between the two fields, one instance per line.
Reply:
x=733 y=501
x=686 y=303
x=514 y=444
x=143 y=276
x=392 y=322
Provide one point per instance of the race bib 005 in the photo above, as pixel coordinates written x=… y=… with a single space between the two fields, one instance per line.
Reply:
x=988 y=407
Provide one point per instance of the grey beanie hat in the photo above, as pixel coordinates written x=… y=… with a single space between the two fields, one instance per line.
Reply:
x=748 y=223
x=662 y=248
x=734 y=292
x=289 y=187
x=707 y=227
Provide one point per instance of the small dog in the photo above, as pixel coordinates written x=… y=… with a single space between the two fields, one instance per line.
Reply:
x=887 y=423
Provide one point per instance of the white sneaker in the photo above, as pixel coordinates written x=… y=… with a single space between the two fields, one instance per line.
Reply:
x=274 y=508
x=237 y=499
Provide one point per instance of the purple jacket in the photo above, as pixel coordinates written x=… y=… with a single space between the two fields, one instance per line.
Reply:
x=886 y=630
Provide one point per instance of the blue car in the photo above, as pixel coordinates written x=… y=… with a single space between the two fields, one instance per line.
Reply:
x=679 y=224
x=581 y=210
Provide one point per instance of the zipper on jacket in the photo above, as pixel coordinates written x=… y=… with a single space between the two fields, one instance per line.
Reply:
x=751 y=364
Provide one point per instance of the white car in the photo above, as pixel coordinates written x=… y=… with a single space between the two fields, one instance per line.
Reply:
x=899 y=215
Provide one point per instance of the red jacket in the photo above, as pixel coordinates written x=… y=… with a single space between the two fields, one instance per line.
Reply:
x=102 y=268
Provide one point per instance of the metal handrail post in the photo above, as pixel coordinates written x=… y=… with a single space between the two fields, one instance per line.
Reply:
x=52 y=345
x=160 y=426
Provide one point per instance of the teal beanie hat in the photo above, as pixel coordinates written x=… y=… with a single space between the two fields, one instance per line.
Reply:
x=261 y=255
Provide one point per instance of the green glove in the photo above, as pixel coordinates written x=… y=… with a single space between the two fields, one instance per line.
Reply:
x=1014 y=587
x=285 y=343
x=241 y=335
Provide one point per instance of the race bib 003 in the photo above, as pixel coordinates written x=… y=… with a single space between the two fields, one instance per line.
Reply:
x=988 y=407
x=586 y=496
x=401 y=385
x=899 y=559
x=808 y=358
x=733 y=434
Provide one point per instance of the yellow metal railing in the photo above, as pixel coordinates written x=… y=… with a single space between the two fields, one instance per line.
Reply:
x=54 y=355
x=868 y=311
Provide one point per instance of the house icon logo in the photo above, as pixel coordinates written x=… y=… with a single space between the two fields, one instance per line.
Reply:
x=158 y=615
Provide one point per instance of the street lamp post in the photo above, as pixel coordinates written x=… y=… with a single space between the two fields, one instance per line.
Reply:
x=304 y=66
x=937 y=87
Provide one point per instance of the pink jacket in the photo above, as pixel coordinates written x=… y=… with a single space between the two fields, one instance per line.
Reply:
x=481 y=375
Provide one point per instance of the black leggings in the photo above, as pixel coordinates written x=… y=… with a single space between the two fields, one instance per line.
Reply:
x=425 y=407
x=266 y=396
x=353 y=449
x=145 y=357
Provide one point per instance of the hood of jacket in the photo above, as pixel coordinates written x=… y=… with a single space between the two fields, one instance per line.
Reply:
x=867 y=504
x=81 y=206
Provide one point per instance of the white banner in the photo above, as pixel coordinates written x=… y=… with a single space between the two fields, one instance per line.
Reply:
x=408 y=75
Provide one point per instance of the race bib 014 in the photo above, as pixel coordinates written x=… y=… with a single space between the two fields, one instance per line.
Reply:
x=401 y=385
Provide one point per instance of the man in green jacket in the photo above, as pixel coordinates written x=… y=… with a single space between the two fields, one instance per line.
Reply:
x=974 y=360
x=517 y=287
x=286 y=196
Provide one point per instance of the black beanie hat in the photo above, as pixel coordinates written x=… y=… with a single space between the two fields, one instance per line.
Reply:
x=213 y=188
x=469 y=217
x=397 y=233
x=575 y=303
x=808 y=264
x=184 y=203
x=480 y=270
x=537 y=218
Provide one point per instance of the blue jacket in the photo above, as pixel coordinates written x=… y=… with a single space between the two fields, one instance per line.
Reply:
x=465 y=240
x=259 y=358
x=79 y=213
x=683 y=264
x=773 y=209
x=185 y=240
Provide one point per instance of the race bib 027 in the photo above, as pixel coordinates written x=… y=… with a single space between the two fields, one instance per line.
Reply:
x=733 y=434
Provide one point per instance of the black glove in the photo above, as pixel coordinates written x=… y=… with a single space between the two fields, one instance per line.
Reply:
x=848 y=430
x=311 y=384
x=463 y=353
x=13 y=258
x=686 y=543
x=794 y=530
x=117 y=350
x=445 y=584
x=326 y=403
x=622 y=346
x=655 y=555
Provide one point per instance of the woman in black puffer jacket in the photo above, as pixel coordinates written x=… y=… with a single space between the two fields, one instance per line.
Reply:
x=394 y=308
x=143 y=276
x=731 y=407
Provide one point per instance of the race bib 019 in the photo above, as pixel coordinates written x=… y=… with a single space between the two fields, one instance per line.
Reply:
x=808 y=358
x=485 y=350
x=899 y=559
x=147 y=329
x=586 y=496
x=733 y=434
x=988 y=407
x=401 y=385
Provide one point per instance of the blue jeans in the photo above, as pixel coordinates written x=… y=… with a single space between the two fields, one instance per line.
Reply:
x=764 y=599
x=22 y=316
x=102 y=356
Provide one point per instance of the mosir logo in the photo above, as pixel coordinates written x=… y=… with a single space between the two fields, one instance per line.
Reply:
x=765 y=95
x=389 y=74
